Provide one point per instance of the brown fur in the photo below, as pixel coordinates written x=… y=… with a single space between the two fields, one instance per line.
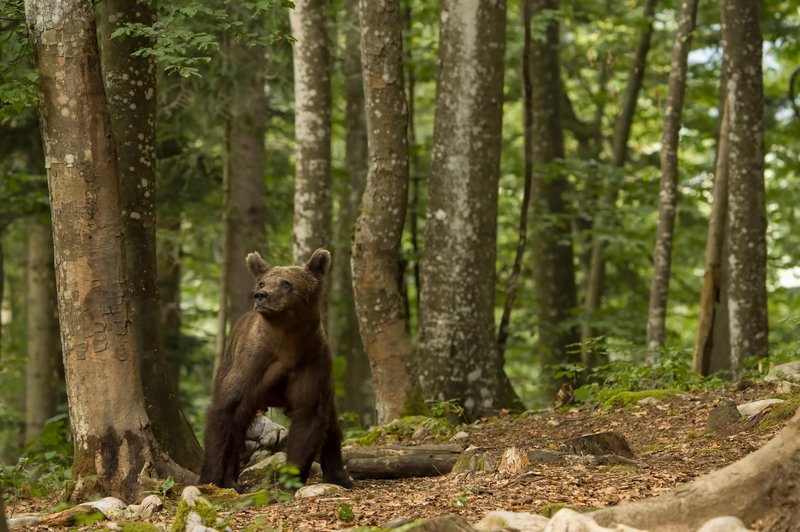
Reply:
x=278 y=356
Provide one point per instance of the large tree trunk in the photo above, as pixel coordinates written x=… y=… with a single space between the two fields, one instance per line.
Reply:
x=668 y=197
x=747 y=219
x=312 y=95
x=595 y=284
x=130 y=87
x=761 y=487
x=553 y=265
x=168 y=268
x=376 y=244
x=44 y=350
x=713 y=295
x=112 y=433
x=457 y=340
x=343 y=332
x=244 y=210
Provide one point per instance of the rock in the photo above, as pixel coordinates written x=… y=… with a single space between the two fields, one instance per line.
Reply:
x=756 y=407
x=789 y=371
x=262 y=436
x=553 y=423
x=471 y=461
x=195 y=513
x=513 y=462
x=600 y=443
x=648 y=401
x=500 y=520
x=23 y=521
x=460 y=435
x=266 y=469
x=110 y=507
x=420 y=433
x=786 y=388
x=150 y=505
x=544 y=456
x=724 y=417
x=723 y=524
x=397 y=523
x=445 y=523
x=317 y=490
x=566 y=520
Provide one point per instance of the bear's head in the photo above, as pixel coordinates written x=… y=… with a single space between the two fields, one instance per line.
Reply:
x=289 y=291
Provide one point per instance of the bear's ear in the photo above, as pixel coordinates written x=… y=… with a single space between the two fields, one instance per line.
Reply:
x=319 y=263
x=257 y=265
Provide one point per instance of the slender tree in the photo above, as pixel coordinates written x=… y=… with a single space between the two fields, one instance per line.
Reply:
x=343 y=330
x=747 y=220
x=244 y=189
x=44 y=351
x=112 y=433
x=553 y=263
x=130 y=82
x=595 y=284
x=312 y=94
x=712 y=329
x=376 y=244
x=668 y=197
x=457 y=329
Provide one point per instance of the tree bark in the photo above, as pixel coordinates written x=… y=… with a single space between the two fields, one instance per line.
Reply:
x=761 y=486
x=711 y=295
x=131 y=90
x=376 y=244
x=553 y=264
x=44 y=350
x=398 y=461
x=312 y=93
x=414 y=163
x=457 y=329
x=112 y=433
x=622 y=130
x=245 y=211
x=168 y=268
x=345 y=340
x=747 y=220
x=668 y=197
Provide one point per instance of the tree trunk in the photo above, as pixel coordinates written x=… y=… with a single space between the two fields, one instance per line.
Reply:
x=345 y=340
x=44 y=350
x=414 y=163
x=760 y=487
x=711 y=295
x=668 y=197
x=622 y=130
x=457 y=329
x=244 y=189
x=747 y=219
x=553 y=264
x=312 y=93
x=168 y=268
x=130 y=87
x=112 y=433
x=527 y=89
x=376 y=244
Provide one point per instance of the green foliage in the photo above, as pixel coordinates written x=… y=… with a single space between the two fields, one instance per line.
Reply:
x=18 y=90
x=403 y=428
x=612 y=383
x=781 y=412
x=462 y=500
x=344 y=513
x=44 y=467
x=166 y=485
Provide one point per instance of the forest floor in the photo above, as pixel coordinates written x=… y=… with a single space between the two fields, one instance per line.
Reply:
x=670 y=438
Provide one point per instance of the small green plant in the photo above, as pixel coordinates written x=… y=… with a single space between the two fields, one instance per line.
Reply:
x=461 y=501
x=344 y=513
x=450 y=408
x=166 y=485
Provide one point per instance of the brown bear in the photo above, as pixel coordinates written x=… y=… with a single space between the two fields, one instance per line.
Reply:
x=278 y=356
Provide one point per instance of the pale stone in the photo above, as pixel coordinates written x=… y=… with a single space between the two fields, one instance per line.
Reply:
x=24 y=521
x=566 y=520
x=111 y=507
x=317 y=490
x=788 y=371
x=503 y=520
x=723 y=524
x=756 y=407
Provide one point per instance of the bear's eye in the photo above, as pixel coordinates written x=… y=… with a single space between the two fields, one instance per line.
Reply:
x=286 y=284
x=261 y=284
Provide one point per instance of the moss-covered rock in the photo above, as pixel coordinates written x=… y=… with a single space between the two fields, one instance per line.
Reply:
x=626 y=398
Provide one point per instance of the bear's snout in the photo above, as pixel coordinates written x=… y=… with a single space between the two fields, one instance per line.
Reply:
x=261 y=297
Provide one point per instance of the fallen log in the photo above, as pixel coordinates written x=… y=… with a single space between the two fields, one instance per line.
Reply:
x=399 y=461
